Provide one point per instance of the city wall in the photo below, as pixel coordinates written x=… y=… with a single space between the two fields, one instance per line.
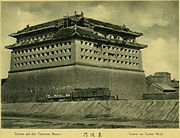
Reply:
x=31 y=85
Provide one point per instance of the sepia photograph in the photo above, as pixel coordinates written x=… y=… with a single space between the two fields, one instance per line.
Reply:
x=89 y=65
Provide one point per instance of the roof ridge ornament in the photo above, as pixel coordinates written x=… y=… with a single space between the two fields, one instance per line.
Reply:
x=82 y=14
x=79 y=15
x=27 y=26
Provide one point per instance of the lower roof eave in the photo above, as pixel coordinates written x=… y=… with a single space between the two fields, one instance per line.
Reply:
x=103 y=41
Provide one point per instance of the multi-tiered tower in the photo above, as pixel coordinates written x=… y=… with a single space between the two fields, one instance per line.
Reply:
x=75 y=52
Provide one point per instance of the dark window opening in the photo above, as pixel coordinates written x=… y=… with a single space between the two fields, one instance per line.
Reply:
x=111 y=54
x=52 y=59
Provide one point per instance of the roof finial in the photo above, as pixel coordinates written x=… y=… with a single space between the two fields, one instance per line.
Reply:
x=82 y=14
x=75 y=13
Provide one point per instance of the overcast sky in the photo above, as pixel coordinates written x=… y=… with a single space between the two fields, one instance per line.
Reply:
x=158 y=21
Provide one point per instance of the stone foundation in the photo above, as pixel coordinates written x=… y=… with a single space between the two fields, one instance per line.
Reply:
x=31 y=85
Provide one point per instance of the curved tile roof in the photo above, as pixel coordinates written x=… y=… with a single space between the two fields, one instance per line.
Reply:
x=75 y=18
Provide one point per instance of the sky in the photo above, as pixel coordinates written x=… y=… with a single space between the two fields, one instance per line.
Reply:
x=158 y=21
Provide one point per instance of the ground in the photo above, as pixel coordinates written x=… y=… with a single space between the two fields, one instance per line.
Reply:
x=12 y=120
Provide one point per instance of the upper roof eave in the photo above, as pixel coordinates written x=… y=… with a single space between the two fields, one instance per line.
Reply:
x=22 y=33
x=113 y=27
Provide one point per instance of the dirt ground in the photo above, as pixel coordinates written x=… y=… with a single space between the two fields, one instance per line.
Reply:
x=11 y=120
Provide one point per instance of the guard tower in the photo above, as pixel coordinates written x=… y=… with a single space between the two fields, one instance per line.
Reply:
x=75 y=52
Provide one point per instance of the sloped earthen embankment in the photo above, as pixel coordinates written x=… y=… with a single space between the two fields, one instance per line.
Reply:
x=135 y=109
